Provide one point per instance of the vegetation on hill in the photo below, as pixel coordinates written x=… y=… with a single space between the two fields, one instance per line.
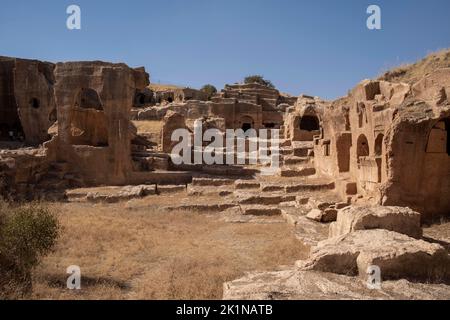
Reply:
x=411 y=73
x=209 y=89
x=258 y=79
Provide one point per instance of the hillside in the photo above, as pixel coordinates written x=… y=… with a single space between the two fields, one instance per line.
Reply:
x=163 y=87
x=411 y=73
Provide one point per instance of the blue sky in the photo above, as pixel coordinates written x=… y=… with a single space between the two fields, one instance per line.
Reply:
x=317 y=47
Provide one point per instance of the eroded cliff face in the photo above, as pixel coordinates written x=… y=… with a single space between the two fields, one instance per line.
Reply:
x=74 y=119
x=389 y=142
x=27 y=100
x=94 y=101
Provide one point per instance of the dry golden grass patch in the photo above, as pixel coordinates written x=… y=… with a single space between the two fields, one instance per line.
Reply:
x=163 y=87
x=146 y=253
x=413 y=72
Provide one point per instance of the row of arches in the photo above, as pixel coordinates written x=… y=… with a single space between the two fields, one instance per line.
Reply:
x=363 y=149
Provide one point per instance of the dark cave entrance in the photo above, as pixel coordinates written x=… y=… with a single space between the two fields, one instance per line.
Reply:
x=309 y=123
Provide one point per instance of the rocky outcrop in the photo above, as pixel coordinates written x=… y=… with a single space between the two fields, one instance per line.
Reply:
x=398 y=219
x=397 y=255
x=27 y=101
x=313 y=285
x=94 y=100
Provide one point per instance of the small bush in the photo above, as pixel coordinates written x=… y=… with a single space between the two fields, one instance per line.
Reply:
x=210 y=90
x=260 y=80
x=27 y=233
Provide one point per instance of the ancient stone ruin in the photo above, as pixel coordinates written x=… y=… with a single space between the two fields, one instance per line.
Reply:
x=359 y=176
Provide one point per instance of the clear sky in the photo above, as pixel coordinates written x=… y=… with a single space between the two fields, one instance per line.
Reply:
x=317 y=47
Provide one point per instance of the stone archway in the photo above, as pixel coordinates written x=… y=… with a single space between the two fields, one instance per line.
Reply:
x=362 y=149
x=88 y=99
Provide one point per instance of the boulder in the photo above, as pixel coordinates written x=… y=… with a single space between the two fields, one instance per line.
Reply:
x=397 y=255
x=315 y=214
x=325 y=216
x=292 y=284
x=398 y=219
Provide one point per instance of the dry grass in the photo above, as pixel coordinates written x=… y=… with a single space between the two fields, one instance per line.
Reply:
x=410 y=73
x=163 y=87
x=145 y=253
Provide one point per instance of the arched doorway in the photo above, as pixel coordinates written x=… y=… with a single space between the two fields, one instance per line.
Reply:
x=247 y=123
x=362 y=149
x=379 y=145
x=88 y=99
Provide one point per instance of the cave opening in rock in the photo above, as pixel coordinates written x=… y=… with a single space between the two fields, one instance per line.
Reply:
x=141 y=99
x=88 y=99
x=35 y=103
x=246 y=126
x=10 y=124
x=309 y=123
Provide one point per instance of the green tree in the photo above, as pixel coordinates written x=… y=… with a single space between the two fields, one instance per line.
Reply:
x=210 y=90
x=260 y=80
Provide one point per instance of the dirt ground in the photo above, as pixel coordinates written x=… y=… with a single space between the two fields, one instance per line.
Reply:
x=140 y=252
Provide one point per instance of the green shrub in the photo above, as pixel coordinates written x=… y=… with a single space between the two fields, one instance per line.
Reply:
x=210 y=90
x=27 y=233
x=260 y=80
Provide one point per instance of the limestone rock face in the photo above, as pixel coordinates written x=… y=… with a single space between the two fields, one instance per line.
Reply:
x=312 y=285
x=397 y=255
x=398 y=219
x=172 y=122
x=94 y=101
x=27 y=102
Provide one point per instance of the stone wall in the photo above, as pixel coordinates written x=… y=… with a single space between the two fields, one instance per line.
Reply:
x=390 y=141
